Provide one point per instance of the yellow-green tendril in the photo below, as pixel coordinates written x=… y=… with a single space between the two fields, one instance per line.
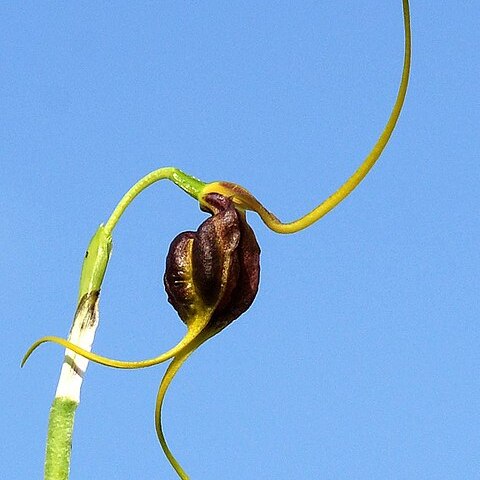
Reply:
x=170 y=373
x=193 y=331
x=246 y=200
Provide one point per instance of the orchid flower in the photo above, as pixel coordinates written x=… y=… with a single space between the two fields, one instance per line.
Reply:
x=212 y=274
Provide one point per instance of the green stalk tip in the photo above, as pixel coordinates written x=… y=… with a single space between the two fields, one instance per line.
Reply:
x=95 y=262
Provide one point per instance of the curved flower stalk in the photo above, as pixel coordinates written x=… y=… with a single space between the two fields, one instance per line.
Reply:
x=211 y=276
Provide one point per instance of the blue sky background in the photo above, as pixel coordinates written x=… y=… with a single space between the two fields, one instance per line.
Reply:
x=360 y=356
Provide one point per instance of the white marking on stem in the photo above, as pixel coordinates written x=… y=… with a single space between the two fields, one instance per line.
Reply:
x=82 y=333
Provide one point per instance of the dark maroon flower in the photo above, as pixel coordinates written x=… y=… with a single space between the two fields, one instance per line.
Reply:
x=215 y=270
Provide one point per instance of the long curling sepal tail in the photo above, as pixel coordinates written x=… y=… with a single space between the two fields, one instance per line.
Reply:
x=243 y=199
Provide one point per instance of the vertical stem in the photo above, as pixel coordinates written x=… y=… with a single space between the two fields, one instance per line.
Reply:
x=82 y=333
x=59 y=444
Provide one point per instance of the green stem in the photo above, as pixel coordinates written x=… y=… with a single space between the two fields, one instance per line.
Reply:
x=67 y=397
x=189 y=184
x=59 y=440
